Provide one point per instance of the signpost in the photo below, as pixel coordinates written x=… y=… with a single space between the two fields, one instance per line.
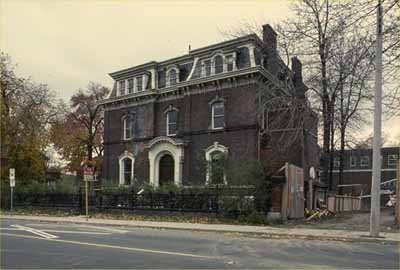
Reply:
x=310 y=188
x=12 y=185
x=88 y=176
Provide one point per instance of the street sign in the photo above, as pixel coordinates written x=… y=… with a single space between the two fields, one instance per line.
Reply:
x=12 y=177
x=88 y=173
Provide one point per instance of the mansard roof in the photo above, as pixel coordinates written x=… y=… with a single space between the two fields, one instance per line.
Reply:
x=200 y=52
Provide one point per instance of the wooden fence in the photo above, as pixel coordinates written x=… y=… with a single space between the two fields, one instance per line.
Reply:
x=342 y=203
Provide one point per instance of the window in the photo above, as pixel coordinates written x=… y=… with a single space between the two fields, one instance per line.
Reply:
x=216 y=155
x=353 y=161
x=207 y=67
x=392 y=159
x=364 y=162
x=122 y=88
x=172 y=122
x=229 y=63
x=336 y=162
x=217 y=167
x=127 y=171
x=172 y=77
x=126 y=168
x=218 y=64
x=130 y=86
x=139 y=84
x=129 y=122
x=218 y=115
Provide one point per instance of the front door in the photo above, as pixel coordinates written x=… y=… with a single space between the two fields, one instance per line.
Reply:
x=166 y=173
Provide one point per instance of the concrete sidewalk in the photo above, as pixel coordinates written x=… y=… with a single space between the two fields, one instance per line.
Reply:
x=253 y=231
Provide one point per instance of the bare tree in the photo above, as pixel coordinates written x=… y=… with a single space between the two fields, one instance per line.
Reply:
x=316 y=34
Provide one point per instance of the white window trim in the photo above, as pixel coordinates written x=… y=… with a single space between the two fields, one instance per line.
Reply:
x=176 y=123
x=168 y=81
x=361 y=161
x=127 y=86
x=224 y=67
x=136 y=84
x=121 y=159
x=392 y=157
x=212 y=115
x=213 y=148
x=124 y=121
x=119 y=88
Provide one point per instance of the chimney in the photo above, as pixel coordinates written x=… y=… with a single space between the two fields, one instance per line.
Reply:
x=269 y=36
x=298 y=77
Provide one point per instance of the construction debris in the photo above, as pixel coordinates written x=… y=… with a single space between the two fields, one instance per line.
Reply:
x=317 y=214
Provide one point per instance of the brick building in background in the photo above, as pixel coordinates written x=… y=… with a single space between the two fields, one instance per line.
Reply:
x=164 y=119
x=357 y=169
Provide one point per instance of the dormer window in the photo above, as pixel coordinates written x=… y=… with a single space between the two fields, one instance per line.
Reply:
x=218 y=64
x=172 y=77
x=130 y=86
x=139 y=84
x=122 y=88
x=229 y=63
x=207 y=67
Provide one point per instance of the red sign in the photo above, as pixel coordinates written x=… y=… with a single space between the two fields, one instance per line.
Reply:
x=88 y=171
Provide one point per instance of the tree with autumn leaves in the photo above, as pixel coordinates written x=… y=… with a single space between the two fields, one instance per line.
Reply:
x=77 y=136
x=33 y=118
x=27 y=109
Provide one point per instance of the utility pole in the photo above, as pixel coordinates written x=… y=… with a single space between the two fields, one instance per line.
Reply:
x=398 y=192
x=376 y=155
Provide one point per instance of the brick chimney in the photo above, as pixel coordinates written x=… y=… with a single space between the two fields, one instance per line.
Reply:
x=269 y=36
x=298 y=77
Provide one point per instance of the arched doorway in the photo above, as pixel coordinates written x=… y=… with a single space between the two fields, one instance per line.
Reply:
x=166 y=170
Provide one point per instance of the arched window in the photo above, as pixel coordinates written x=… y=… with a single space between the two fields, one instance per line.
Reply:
x=217 y=167
x=172 y=122
x=218 y=64
x=217 y=115
x=128 y=124
x=172 y=77
x=126 y=168
x=216 y=156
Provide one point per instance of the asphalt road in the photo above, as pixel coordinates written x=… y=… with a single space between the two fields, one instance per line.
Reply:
x=35 y=245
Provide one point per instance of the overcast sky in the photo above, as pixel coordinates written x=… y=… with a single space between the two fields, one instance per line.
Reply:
x=66 y=44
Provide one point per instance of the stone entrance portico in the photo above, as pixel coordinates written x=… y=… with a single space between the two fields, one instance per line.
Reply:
x=158 y=148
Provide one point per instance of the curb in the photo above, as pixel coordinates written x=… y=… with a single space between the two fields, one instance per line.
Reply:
x=262 y=235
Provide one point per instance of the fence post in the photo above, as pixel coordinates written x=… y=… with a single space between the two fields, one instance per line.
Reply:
x=151 y=199
x=133 y=199
x=80 y=200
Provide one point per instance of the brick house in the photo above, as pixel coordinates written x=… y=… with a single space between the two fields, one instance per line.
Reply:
x=164 y=119
x=357 y=169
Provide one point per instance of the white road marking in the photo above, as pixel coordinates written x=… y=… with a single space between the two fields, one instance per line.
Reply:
x=115 y=247
x=104 y=228
x=79 y=226
x=37 y=232
x=78 y=232
x=58 y=231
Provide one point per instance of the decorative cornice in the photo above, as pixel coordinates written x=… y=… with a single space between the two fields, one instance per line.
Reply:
x=176 y=89
x=164 y=139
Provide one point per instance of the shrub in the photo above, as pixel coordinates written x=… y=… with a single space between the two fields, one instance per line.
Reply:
x=254 y=217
